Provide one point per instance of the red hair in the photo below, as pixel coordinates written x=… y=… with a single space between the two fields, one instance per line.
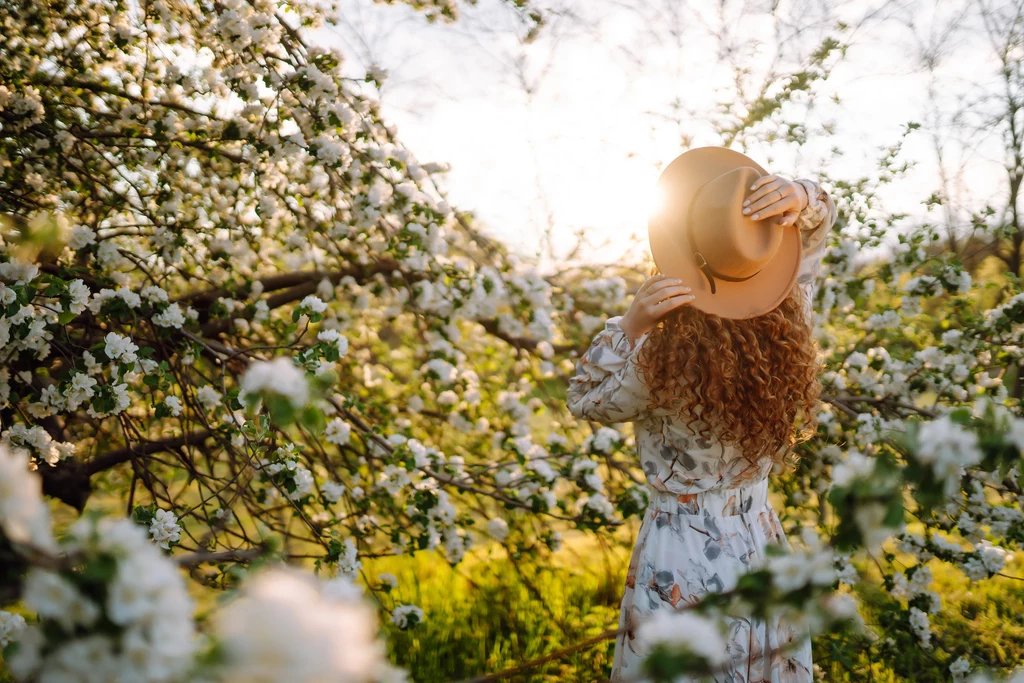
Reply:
x=753 y=379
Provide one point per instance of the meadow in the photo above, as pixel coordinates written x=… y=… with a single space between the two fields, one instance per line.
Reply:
x=490 y=613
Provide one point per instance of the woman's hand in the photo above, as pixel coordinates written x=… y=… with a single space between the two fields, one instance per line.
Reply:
x=656 y=297
x=775 y=196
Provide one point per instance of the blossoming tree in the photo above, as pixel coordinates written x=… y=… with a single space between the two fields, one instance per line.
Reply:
x=230 y=297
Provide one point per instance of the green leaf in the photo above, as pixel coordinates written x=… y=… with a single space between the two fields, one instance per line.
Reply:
x=893 y=512
x=144 y=514
x=101 y=569
x=313 y=419
x=961 y=416
x=281 y=410
x=10 y=650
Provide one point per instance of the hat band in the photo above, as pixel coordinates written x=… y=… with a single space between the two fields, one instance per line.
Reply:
x=711 y=274
x=706 y=268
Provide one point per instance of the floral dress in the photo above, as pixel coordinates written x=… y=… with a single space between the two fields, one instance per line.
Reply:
x=709 y=518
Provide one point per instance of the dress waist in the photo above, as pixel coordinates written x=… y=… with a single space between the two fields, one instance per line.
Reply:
x=723 y=502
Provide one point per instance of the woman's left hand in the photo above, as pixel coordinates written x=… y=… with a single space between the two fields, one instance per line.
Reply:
x=774 y=195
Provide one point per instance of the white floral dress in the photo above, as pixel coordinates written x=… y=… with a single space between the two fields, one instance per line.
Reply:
x=709 y=517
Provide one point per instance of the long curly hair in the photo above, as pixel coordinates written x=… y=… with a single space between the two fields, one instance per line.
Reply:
x=755 y=380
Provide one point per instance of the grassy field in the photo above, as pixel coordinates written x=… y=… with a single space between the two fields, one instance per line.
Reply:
x=489 y=614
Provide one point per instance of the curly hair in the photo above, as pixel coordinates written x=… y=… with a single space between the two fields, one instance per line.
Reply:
x=753 y=379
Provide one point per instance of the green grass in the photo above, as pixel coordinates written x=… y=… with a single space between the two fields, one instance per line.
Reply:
x=483 y=617
x=490 y=613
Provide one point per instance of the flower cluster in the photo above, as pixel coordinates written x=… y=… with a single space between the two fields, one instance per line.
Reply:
x=288 y=626
x=126 y=614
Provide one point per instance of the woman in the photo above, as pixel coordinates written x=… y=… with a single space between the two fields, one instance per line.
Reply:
x=715 y=365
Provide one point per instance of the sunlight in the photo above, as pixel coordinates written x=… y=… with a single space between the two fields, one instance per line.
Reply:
x=653 y=199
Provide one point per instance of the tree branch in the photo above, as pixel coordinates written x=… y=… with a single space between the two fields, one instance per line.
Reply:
x=108 y=460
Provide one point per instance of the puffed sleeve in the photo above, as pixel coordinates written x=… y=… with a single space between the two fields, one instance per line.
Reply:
x=607 y=387
x=814 y=223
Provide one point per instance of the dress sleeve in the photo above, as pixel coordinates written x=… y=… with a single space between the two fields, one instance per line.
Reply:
x=607 y=387
x=814 y=223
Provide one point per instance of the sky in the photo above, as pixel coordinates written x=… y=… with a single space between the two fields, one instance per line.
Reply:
x=571 y=130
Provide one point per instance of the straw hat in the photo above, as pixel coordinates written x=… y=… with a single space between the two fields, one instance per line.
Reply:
x=736 y=267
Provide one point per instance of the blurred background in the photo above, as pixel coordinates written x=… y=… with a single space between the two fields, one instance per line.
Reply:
x=556 y=142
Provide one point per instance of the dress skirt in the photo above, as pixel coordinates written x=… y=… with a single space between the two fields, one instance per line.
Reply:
x=691 y=544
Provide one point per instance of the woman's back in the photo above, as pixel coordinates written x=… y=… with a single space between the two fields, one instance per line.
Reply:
x=679 y=454
x=708 y=519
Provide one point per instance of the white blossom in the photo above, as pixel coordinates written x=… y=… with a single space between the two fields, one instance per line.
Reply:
x=605 y=438
x=54 y=597
x=24 y=516
x=314 y=304
x=332 y=491
x=445 y=371
x=406 y=616
x=146 y=597
x=498 y=528
x=171 y=316
x=337 y=432
x=165 y=528
x=333 y=336
x=284 y=627
x=11 y=626
x=120 y=348
x=948 y=448
x=279 y=377
x=920 y=624
x=959 y=668
x=684 y=631
x=208 y=397
x=173 y=404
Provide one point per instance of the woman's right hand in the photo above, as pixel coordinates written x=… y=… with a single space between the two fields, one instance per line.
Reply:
x=655 y=298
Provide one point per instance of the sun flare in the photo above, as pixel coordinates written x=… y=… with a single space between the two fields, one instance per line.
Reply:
x=654 y=199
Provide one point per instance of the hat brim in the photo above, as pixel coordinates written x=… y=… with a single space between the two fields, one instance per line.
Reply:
x=667 y=233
